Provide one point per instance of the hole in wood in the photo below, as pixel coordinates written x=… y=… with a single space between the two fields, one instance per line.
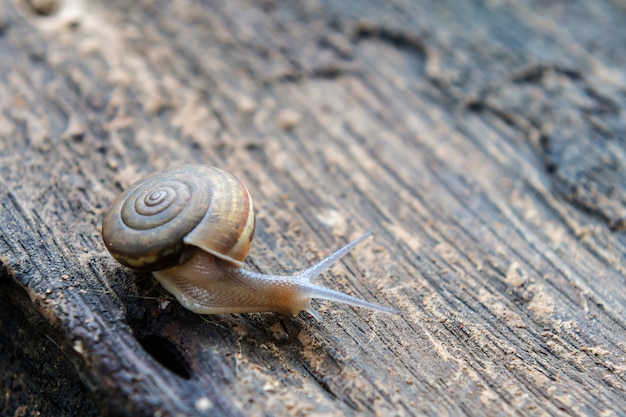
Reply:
x=43 y=7
x=166 y=354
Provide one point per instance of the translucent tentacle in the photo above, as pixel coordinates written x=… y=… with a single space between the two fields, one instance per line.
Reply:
x=314 y=271
x=316 y=291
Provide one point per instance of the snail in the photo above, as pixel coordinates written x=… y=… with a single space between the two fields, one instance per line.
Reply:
x=192 y=228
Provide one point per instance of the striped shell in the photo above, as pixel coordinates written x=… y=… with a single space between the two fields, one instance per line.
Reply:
x=149 y=225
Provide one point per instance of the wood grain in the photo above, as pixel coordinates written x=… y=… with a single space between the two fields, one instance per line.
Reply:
x=482 y=143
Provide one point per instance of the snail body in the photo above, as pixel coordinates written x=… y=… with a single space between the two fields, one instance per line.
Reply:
x=192 y=228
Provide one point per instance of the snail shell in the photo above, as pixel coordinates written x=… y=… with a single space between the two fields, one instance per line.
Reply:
x=148 y=226
x=192 y=228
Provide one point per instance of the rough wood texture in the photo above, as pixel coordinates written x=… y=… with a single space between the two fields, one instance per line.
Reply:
x=483 y=143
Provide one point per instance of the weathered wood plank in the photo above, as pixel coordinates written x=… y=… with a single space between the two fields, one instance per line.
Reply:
x=482 y=143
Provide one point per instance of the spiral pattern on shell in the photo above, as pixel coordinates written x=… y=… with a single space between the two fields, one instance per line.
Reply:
x=149 y=225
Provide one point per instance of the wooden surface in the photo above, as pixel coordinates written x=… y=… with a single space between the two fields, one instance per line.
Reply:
x=482 y=142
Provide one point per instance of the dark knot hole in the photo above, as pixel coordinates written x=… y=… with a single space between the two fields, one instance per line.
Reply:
x=166 y=353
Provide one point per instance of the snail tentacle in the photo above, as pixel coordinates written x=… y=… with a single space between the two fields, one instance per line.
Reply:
x=316 y=291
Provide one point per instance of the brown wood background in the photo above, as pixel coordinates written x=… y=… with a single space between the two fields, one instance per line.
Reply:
x=484 y=144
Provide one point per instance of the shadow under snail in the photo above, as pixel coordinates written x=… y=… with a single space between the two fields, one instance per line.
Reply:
x=192 y=228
